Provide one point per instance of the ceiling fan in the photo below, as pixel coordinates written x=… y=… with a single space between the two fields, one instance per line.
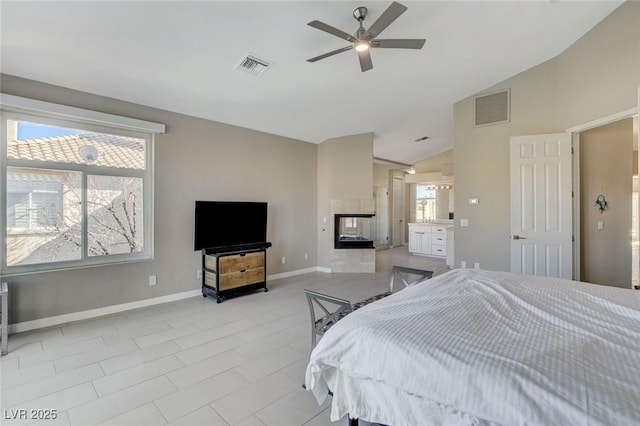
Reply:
x=364 y=39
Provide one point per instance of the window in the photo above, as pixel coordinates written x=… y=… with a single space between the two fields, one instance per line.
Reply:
x=77 y=193
x=33 y=200
x=425 y=203
x=350 y=222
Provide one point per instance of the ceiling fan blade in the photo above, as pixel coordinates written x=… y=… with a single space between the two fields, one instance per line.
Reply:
x=332 y=30
x=399 y=43
x=365 y=60
x=326 y=55
x=388 y=16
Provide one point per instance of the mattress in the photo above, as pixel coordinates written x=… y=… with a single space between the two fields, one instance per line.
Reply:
x=482 y=347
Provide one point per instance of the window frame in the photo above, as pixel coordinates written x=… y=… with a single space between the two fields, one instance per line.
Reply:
x=70 y=117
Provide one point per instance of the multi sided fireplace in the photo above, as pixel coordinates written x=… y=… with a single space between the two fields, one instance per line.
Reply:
x=354 y=231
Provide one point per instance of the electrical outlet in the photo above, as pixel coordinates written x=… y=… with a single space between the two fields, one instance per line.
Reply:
x=283 y=260
x=463 y=264
x=476 y=265
x=199 y=273
x=152 y=280
x=306 y=256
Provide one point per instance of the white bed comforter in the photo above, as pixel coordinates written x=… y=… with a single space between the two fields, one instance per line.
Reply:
x=479 y=347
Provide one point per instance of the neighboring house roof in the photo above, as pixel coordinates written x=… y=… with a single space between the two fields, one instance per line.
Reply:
x=113 y=150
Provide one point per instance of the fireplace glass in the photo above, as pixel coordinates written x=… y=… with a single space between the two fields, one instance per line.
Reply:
x=354 y=231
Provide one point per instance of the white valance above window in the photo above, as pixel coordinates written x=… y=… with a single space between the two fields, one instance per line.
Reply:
x=33 y=106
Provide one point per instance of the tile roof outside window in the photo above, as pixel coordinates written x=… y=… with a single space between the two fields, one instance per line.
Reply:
x=113 y=150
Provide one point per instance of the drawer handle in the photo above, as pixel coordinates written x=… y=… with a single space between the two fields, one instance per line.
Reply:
x=242 y=270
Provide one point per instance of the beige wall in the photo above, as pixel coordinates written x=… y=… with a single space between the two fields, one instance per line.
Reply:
x=434 y=163
x=194 y=160
x=381 y=174
x=599 y=75
x=606 y=167
x=345 y=174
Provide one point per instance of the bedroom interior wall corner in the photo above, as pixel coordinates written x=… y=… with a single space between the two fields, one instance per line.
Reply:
x=345 y=172
x=597 y=76
x=194 y=159
x=481 y=162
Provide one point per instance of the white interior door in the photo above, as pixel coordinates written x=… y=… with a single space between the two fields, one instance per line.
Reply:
x=541 y=215
x=398 y=212
x=382 y=215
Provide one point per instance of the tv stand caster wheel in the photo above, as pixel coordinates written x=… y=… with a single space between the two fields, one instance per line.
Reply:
x=266 y=289
x=218 y=300
x=204 y=294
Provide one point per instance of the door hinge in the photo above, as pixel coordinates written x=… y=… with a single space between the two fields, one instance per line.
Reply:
x=573 y=239
x=571 y=194
x=572 y=150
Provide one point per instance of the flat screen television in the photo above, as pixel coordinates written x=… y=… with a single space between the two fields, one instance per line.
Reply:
x=229 y=223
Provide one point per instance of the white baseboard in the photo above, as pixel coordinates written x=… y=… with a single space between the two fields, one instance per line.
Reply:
x=108 y=310
x=297 y=272
x=98 y=312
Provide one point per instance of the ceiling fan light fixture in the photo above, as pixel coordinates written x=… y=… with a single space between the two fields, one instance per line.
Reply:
x=362 y=46
x=365 y=38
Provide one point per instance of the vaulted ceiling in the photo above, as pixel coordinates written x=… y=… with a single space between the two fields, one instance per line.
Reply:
x=181 y=56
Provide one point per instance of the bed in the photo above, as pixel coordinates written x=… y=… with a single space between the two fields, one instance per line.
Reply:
x=481 y=347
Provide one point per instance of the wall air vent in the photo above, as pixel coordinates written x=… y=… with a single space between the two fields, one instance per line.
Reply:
x=253 y=65
x=492 y=108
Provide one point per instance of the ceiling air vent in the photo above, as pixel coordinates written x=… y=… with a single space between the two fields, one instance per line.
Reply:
x=253 y=65
x=492 y=108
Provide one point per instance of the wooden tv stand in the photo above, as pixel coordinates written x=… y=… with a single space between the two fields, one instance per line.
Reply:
x=227 y=271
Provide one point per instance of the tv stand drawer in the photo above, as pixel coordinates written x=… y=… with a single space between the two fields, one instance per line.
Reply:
x=239 y=262
x=234 y=262
x=241 y=278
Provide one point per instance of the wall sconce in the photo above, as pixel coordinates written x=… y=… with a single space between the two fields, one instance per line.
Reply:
x=601 y=202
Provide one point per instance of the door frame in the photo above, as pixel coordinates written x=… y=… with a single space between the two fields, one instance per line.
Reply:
x=397 y=203
x=575 y=149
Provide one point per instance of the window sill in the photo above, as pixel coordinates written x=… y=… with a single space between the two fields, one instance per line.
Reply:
x=12 y=271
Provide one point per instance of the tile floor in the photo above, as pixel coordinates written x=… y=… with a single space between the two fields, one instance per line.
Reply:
x=190 y=362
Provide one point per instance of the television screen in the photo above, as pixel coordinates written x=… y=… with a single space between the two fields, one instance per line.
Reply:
x=229 y=223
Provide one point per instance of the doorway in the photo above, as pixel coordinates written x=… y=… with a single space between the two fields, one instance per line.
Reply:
x=381 y=198
x=397 y=231
x=608 y=204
